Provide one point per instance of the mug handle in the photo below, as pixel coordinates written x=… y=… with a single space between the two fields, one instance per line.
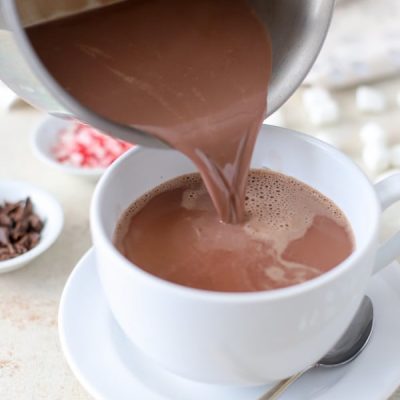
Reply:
x=388 y=191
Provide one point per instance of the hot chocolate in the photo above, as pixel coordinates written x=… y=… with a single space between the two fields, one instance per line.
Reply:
x=292 y=234
x=193 y=73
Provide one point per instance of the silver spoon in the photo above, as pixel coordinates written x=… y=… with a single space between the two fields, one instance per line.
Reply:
x=349 y=346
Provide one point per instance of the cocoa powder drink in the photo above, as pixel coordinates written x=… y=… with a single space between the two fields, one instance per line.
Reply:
x=193 y=73
x=291 y=234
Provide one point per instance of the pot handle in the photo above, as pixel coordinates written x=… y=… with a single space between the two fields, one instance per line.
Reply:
x=388 y=191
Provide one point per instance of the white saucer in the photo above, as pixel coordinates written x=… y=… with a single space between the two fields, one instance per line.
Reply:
x=110 y=367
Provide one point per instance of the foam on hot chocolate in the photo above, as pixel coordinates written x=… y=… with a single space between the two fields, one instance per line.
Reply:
x=286 y=205
x=292 y=233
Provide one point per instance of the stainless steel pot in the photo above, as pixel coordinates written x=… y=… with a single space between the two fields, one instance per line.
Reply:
x=298 y=29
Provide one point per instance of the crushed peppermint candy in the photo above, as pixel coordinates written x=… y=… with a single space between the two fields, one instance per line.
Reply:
x=82 y=146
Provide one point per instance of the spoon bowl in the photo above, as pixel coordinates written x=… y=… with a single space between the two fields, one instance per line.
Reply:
x=348 y=348
x=354 y=340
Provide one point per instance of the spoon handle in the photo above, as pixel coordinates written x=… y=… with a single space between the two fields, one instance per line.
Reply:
x=281 y=387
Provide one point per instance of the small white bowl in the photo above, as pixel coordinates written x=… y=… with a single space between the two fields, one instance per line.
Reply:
x=45 y=206
x=44 y=139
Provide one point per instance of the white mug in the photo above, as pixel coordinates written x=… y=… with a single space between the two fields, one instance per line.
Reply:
x=242 y=338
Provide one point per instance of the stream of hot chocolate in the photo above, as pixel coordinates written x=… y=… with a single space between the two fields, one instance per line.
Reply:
x=193 y=73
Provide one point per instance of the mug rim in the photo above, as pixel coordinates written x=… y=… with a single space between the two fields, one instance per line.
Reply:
x=99 y=235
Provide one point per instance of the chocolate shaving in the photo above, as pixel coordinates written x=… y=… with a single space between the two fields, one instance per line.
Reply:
x=5 y=220
x=35 y=223
x=20 y=228
x=4 y=254
x=4 y=236
x=9 y=207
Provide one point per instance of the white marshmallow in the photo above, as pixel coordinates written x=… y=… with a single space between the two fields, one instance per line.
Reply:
x=314 y=96
x=373 y=133
x=395 y=156
x=320 y=106
x=370 y=100
x=324 y=114
x=276 y=119
x=376 y=158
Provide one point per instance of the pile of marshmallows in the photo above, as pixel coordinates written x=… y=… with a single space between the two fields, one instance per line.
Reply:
x=377 y=155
